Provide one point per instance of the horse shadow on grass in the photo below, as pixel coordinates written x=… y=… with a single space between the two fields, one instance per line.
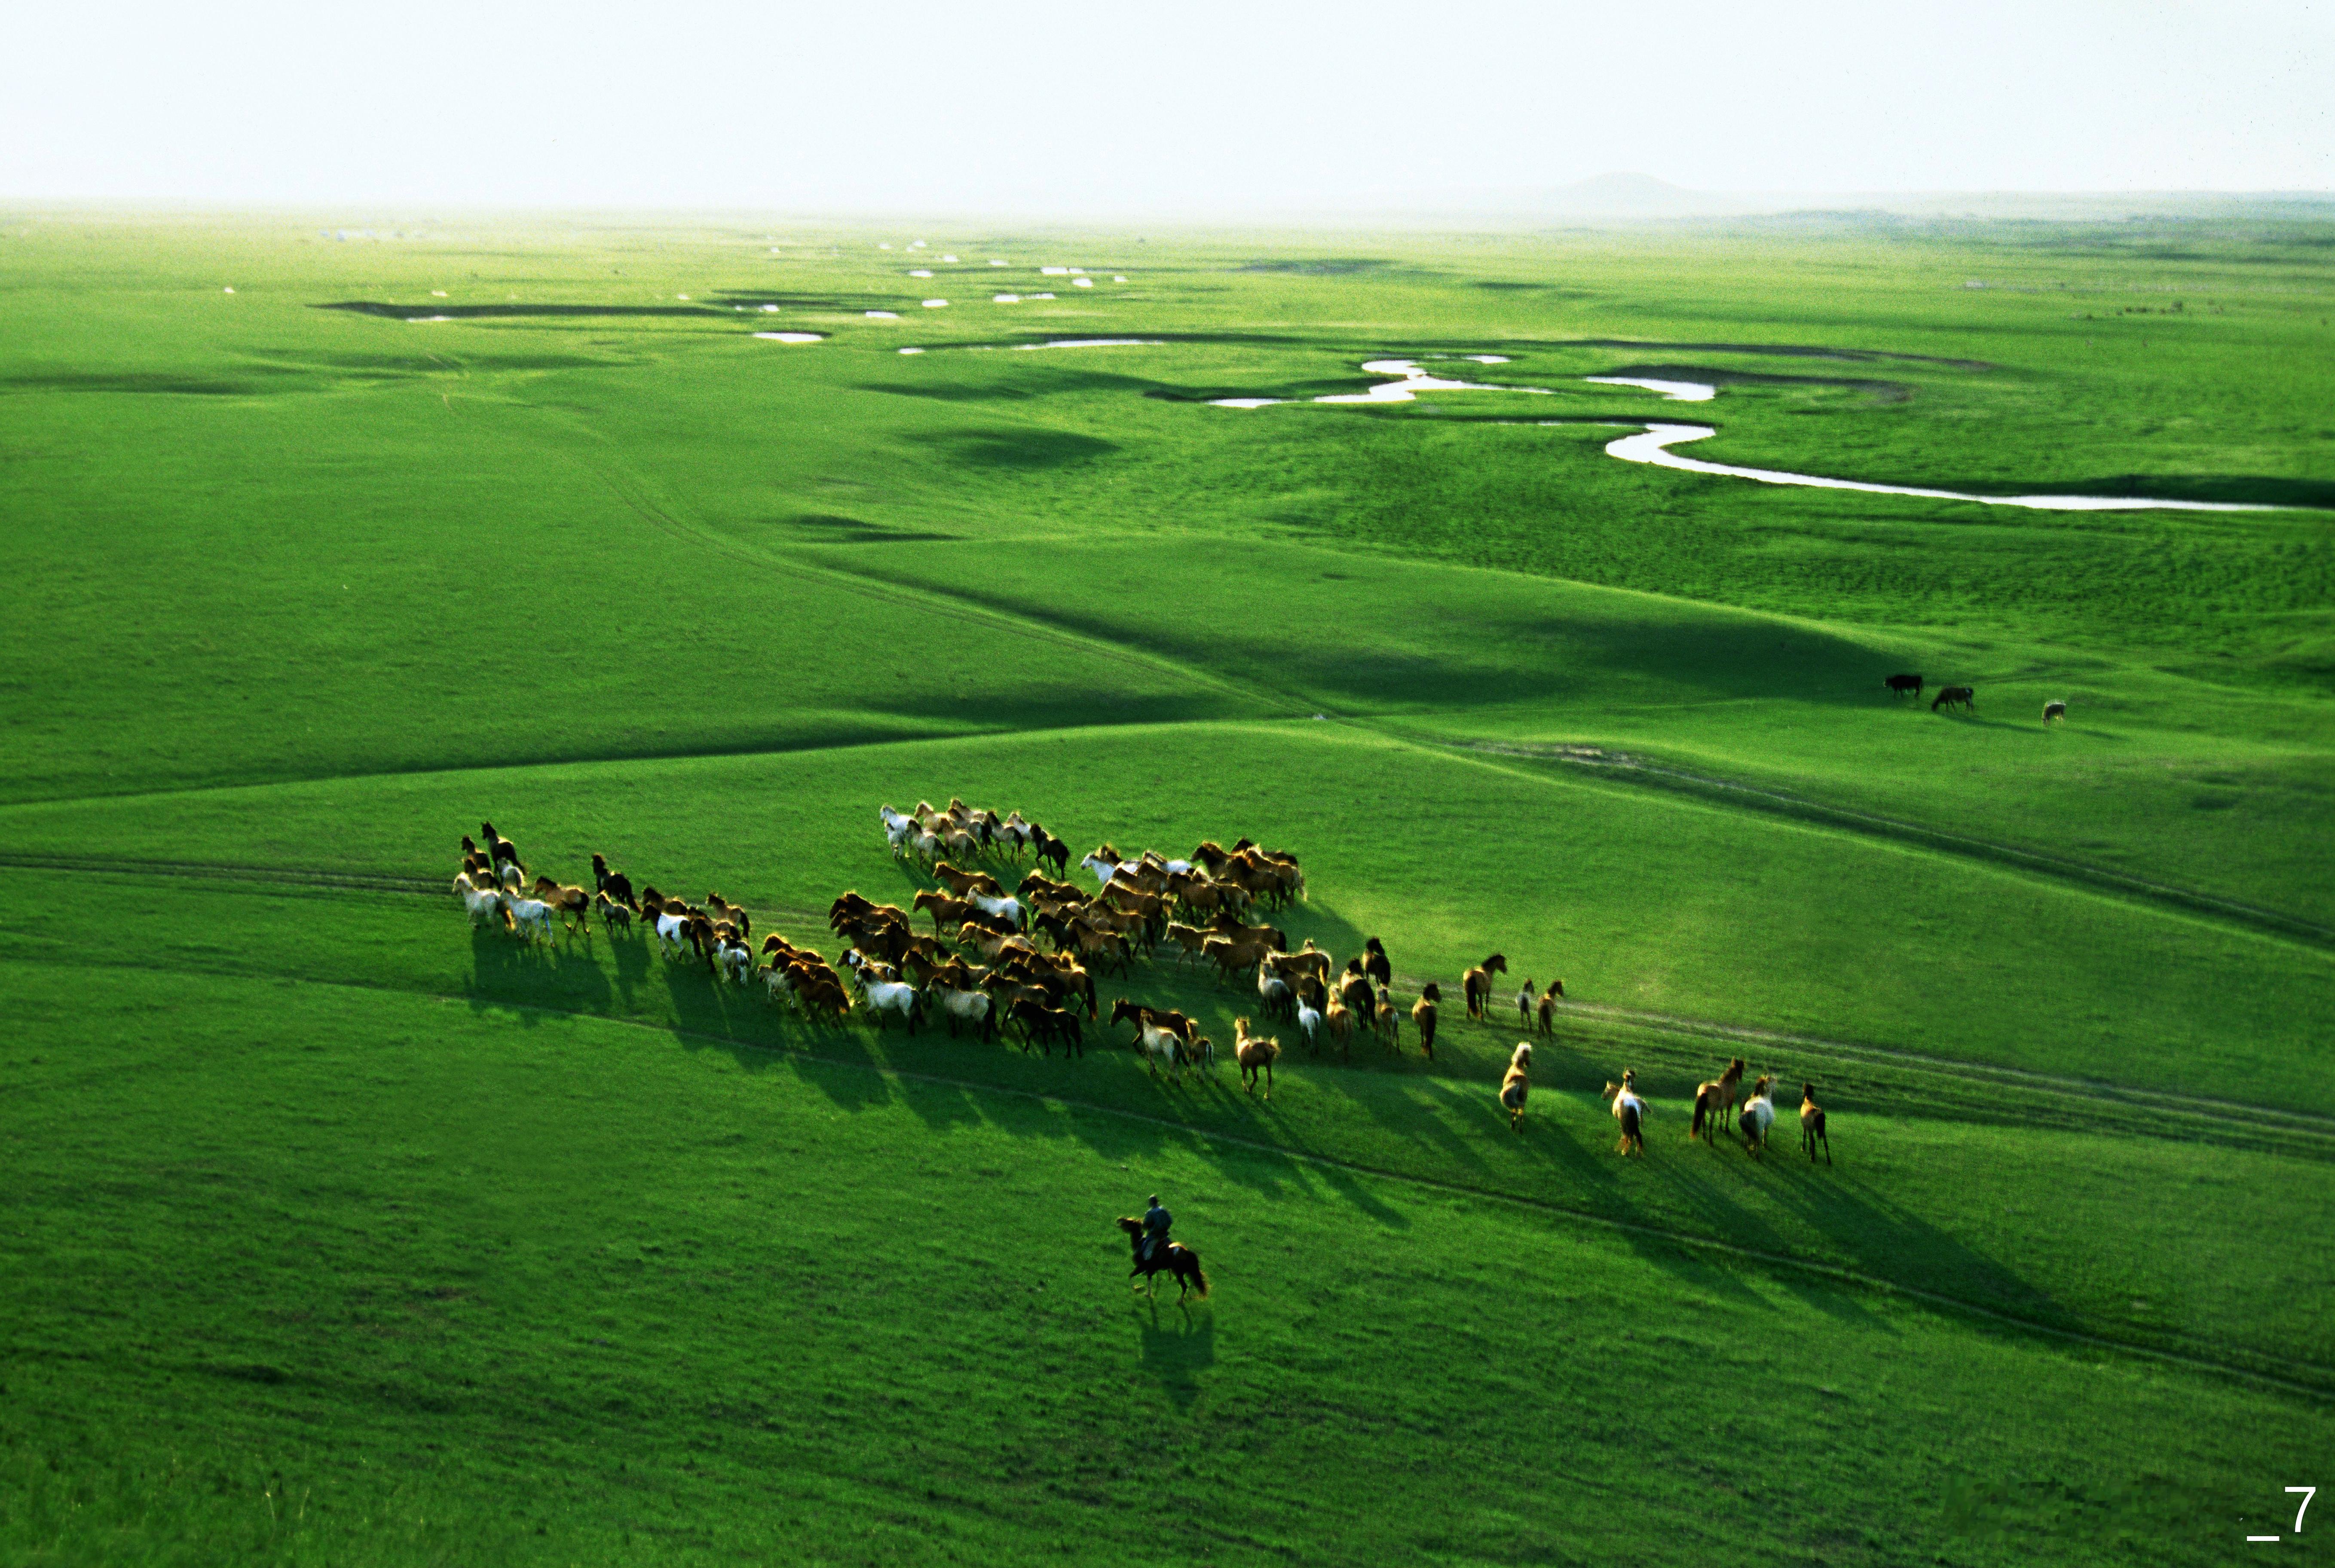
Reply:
x=1176 y=1347
x=563 y=973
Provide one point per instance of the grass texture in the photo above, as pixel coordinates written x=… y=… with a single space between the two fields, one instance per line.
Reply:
x=338 y=1232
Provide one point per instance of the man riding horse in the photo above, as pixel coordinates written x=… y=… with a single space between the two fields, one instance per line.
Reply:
x=1156 y=1221
x=1154 y=1253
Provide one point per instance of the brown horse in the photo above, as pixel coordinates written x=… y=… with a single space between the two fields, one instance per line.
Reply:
x=1255 y=1055
x=1717 y=1098
x=1514 y=1089
x=1630 y=1111
x=1477 y=983
x=1180 y=1260
x=1423 y=1017
x=1812 y=1125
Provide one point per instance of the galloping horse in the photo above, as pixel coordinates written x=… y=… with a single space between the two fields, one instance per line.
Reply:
x=1180 y=1260
x=1476 y=985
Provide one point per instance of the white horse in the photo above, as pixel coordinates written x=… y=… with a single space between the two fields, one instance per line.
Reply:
x=887 y=998
x=530 y=916
x=1273 y=993
x=482 y=904
x=1628 y=1109
x=1758 y=1115
x=672 y=932
x=1309 y=1024
x=967 y=1007
x=1103 y=870
x=1006 y=909
x=1163 y=1051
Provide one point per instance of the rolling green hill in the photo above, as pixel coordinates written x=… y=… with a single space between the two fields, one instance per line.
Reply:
x=341 y=1231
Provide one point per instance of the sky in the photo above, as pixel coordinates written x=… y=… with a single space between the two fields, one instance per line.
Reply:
x=1196 y=107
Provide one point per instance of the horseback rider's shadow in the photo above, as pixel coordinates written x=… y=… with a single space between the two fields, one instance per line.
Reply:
x=1176 y=1351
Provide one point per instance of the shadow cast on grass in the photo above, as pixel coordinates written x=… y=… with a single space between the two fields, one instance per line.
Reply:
x=1563 y=1159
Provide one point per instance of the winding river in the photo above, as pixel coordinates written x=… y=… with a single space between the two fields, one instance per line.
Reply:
x=1652 y=444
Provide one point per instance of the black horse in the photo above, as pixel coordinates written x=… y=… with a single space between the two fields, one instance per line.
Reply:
x=1180 y=1260
x=614 y=883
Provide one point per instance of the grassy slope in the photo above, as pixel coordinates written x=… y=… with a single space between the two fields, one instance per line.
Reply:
x=439 y=1264
x=566 y=538
x=1640 y=900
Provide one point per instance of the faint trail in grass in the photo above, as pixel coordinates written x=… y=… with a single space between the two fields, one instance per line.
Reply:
x=2291 y=1376
x=637 y=497
x=1704 y=786
x=2131 y=1110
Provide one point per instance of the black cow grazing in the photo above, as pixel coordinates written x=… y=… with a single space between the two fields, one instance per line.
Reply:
x=1949 y=695
x=1900 y=685
x=2054 y=710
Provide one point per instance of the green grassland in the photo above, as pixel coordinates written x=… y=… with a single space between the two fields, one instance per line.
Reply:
x=335 y=1231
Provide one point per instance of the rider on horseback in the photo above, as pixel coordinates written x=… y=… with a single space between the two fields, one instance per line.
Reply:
x=1156 y=1221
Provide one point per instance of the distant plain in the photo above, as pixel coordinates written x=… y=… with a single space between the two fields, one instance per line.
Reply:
x=340 y=1232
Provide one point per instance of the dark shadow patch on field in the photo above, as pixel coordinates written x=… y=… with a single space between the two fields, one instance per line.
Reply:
x=1176 y=1345
x=1036 y=379
x=424 y=361
x=949 y=391
x=1287 y=392
x=150 y=383
x=629 y=955
x=1322 y=266
x=1720 y=657
x=2304 y=495
x=514 y=309
x=1022 y=448
x=819 y=528
x=561 y=973
x=1884 y=391
x=1784 y=350
x=853 y=303
x=1068 y=709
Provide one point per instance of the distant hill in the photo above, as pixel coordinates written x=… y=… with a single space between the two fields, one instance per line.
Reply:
x=1626 y=195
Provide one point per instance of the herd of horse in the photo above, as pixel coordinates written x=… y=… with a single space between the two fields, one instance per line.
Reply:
x=1022 y=963
x=1962 y=697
